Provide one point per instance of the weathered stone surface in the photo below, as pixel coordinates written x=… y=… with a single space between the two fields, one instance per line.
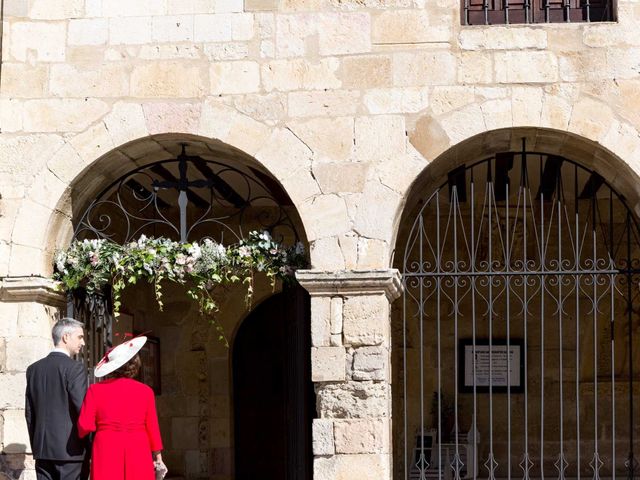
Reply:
x=396 y=100
x=10 y=115
x=12 y=386
x=295 y=34
x=330 y=139
x=88 y=31
x=408 y=27
x=320 y=321
x=370 y=363
x=366 y=320
x=475 y=67
x=285 y=75
x=526 y=67
x=168 y=80
x=345 y=467
x=503 y=38
x=424 y=68
x=344 y=33
x=69 y=115
x=23 y=351
x=328 y=364
x=327 y=254
x=234 y=77
x=368 y=71
x=366 y=210
x=330 y=212
x=353 y=400
x=341 y=177
x=357 y=436
x=129 y=30
x=15 y=436
x=23 y=80
x=322 y=435
x=379 y=137
x=8 y=318
x=319 y=103
x=584 y=122
x=526 y=106
x=171 y=117
x=102 y=81
x=172 y=28
x=38 y=41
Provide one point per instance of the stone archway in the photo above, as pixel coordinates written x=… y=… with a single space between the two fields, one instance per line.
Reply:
x=493 y=242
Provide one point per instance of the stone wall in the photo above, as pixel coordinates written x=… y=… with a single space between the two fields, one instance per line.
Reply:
x=345 y=102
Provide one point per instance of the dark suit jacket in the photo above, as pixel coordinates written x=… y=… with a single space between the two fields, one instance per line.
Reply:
x=56 y=386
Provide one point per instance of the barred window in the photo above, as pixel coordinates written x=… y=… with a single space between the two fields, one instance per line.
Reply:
x=501 y=12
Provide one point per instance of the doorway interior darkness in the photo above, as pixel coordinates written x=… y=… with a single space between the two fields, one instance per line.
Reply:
x=272 y=390
x=520 y=323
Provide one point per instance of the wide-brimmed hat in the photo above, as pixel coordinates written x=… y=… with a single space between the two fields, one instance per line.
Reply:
x=118 y=356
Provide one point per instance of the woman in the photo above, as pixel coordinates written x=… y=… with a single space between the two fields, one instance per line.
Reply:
x=122 y=412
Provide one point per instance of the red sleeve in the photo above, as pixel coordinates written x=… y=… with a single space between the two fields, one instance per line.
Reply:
x=87 y=418
x=151 y=424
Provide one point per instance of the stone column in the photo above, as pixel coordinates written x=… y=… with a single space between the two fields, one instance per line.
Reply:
x=350 y=359
x=28 y=307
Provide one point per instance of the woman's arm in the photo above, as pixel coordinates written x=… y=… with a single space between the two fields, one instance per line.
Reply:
x=87 y=418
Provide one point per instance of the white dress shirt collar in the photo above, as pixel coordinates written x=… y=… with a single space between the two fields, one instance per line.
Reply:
x=61 y=350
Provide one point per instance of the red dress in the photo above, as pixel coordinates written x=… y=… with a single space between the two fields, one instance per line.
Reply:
x=122 y=412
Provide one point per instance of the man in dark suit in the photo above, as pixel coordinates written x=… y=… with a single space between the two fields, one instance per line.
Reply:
x=56 y=386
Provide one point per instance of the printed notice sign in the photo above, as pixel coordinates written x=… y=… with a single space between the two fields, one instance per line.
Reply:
x=493 y=368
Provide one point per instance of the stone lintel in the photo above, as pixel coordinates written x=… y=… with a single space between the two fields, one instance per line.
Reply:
x=352 y=282
x=31 y=289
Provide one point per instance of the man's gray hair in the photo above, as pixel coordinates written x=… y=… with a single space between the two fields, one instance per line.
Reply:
x=62 y=326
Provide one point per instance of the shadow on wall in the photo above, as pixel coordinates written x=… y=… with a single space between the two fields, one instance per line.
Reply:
x=15 y=464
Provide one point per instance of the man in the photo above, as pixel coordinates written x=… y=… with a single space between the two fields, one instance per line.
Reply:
x=56 y=386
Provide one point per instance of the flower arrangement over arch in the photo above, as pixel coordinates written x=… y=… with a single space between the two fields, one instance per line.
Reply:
x=93 y=265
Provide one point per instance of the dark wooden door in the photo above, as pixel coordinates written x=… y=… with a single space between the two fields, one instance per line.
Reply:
x=272 y=390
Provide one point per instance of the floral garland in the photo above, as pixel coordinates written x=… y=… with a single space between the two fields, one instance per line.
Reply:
x=94 y=264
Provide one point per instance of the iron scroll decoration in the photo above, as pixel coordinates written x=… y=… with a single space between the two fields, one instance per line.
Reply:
x=217 y=203
x=538 y=249
x=188 y=198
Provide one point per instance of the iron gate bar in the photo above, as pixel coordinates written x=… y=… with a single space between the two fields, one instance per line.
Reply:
x=580 y=273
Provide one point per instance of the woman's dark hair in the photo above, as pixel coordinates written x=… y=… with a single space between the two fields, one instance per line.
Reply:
x=131 y=369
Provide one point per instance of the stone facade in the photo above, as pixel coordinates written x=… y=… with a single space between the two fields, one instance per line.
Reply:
x=355 y=107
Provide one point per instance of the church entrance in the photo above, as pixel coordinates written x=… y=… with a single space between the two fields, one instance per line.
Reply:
x=272 y=390
x=234 y=396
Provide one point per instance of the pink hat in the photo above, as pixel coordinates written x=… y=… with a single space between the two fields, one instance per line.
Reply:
x=118 y=356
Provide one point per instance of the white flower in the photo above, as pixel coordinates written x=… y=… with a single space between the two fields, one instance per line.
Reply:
x=244 y=251
x=181 y=259
x=195 y=251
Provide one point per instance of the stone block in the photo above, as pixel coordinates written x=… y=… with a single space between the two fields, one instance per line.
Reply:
x=475 y=67
x=129 y=30
x=393 y=27
x=25 y=261
x=497 y=113
x=172 y=28
x=446 y=99
x=126 y=122
x=242 y=26
x=228 y=6
x=178 y=7
x=371 y=363
x=336 y=315
x=268 y=108
x=213 y=28
x=357 y=436
x=62 y=115
x=424 y=68
x=396 y=100
x=344 y=33
x=341 y=177
x=327 y=364
x=320 y=103
x=234 y=77
x=23 y=351
x=48 y=10
x=463 y=123
x=3 y=355
x=38 y=41
x=184 y=433
x=526 y=106
x=88 y=31
x=503 y=38
x=322 y=435
x=320 y=321
x=171 y=117
x=30 y=214
x=584 y=122
x=12 y=386
x=379 y=137
x=330 y=214
x=286 y=156
x=226 y=51
x=105 y=80
x=168 y=80
x=374 y=212
x=260 y=5
x=367 y=71
x=556 y=112
x=92 y=143
x=10 y=115
x=326 y=254
x=330 y=139
x=126 y=8
x=298 y=74
x=347 y=467
x=366 y=320
x=296 y=34
x=15 y=435
x=353 y=400
x=21 y=80
x=16 y=8
x=526 y=67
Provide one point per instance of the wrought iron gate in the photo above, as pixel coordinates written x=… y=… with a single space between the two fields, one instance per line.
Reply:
x=519 y=316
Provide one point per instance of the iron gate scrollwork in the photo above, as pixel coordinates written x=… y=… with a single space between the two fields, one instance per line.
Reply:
x=520 y=314
x=187 y=198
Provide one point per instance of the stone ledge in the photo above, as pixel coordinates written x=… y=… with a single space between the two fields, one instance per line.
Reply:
x=31 y=289
x=352 y=282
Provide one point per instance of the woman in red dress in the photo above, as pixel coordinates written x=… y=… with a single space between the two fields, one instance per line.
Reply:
x=122 y=412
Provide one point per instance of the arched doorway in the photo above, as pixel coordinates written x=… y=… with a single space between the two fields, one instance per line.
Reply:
x=517 y=342
x=272 y=390
x=185 y=189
